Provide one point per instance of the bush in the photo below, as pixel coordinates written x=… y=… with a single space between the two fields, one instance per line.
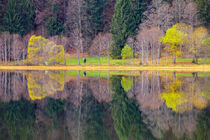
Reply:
x=127 y=52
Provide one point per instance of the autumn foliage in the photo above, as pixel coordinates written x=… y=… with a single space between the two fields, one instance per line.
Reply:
x=43 y=51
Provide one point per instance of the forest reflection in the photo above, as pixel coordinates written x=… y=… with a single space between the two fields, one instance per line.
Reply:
x=129 y=106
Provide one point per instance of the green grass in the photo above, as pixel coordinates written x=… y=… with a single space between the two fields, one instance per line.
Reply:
x=188 y=60
x=104 y=61
x=95 y=61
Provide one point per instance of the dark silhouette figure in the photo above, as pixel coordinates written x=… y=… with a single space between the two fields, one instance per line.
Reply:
x=84 y=74
x=84 y=60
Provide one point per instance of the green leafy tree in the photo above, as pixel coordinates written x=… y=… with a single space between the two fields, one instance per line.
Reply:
x=94 y=10
x=55 y=27
x=127 y=52
x=123 y=25
x=203 y=7
x=19 y=17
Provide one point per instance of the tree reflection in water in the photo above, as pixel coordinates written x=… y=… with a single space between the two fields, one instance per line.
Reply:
x=126 y=115
x=153 y=105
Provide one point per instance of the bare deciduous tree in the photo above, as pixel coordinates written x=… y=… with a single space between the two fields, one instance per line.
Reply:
x=100 y=45
x=149 y=40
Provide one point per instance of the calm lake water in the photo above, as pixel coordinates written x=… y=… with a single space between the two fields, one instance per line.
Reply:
x=71 y=105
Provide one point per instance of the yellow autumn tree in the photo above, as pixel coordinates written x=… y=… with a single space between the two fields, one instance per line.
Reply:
x=196 y=39
x=206 y=45
x=173 y=41
x=43 y=51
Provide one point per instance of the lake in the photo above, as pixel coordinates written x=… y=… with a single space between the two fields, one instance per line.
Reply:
x=79 y=105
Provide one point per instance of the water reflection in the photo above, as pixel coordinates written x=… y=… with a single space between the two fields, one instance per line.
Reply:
x=67 y=105
x=41 y=85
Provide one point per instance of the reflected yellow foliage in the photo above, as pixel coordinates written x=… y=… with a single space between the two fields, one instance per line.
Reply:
x=127 y=83
x=43 y=51
x=41 y=85
x=182 y=101
x=206 y=94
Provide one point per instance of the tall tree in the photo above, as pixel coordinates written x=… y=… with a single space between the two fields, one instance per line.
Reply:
x=139 y=6
x=94 y=9
x=123 y=25
x=54 y=27
x=206 y=44
x=2 y=11
x=19 y=16
x=203 y=7
x=196 y=38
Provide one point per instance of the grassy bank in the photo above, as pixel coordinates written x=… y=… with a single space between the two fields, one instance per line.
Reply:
x=110 y=61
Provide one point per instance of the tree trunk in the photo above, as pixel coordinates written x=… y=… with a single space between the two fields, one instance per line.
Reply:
x=5 y=50
x=80 y=29
x=205 y=58
x=174 y=60
x=108 y=59
x=166 y=56
x=196 y=59
x=99 y=55
x=142 y=54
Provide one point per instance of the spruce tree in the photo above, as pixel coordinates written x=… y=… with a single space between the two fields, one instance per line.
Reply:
x=139 y=6
x=19 y=16
x=2 y=11
x=94 y=10
x=203 y=7
x=54 y=27
x=123 y=25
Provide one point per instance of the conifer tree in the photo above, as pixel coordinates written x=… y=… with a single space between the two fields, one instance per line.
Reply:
x=54 y=27
x=203 y=7
x=139 y=6
x=94 y=10
x=19 y=16
x=123 y=25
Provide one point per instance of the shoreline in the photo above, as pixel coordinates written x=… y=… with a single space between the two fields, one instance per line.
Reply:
x=184 y=68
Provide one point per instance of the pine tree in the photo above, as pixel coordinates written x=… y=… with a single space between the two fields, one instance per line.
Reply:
x=203 y=7
x=139 y=6
x=2 y=11
x=54 y=27
x=94 y=10
x=123 y=25
x=19 y=16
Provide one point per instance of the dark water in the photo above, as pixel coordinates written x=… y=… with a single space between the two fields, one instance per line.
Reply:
x=104 y=105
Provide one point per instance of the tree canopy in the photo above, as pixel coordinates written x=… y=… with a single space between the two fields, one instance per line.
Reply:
x=19 y=17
